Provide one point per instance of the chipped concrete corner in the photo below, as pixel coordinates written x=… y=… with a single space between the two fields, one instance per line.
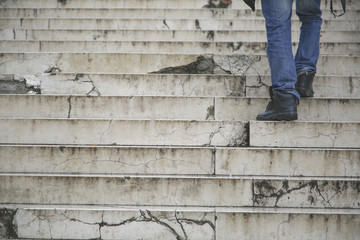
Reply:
x=215 y=64
x=59 y=224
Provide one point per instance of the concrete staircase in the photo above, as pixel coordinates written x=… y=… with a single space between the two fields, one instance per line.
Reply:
x=136 y=120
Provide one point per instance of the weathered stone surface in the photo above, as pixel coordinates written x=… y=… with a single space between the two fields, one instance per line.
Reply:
x=7 y=230
x=305 y=134
x=110 y=160
x=135 y=190
x=159 y=225
x=314 y=109
x=57 y=224
x=184 y=4
x=324 y=86
x=305 y=193
x=123 y=132
x=288 y=162
x=95 y=223
x=38 y=63
x=161 y=24
x=106 y=107
x=234 y=226
x=142 y=84
x=134 y=13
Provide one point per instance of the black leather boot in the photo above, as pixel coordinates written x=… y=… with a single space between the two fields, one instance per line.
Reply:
x=304 y=84
x=282 y=106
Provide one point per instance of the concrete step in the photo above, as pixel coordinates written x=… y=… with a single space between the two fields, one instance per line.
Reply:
x=305 y=134
x=163 y=4
x=128 y=84
x=179 y=191
x=208 y=47
x=49 y=221
x=219 y=161
x=161 y=35
x=162 y=24
x=146 y=13
x=176 y=108
x=123 y=132
x=167 y=85
x=324 y=86
x=38 y=63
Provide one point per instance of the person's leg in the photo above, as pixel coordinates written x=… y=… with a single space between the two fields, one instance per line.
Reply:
x=277 y=15
x=307 y=54
x=284 y=97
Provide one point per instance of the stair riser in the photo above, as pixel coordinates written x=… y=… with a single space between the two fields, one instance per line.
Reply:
x=125 y=191
x=161 y=35
x=305 y=134
x=161 y=24
x=110 y=160
x=164 y=47
x=62 y=131
x=179 y=191
x=185 y=161
x=131 y=108
x=334 y=86
x=29 y=63
x=137 y=85
x=77 y=224
x=176 y=4
x=153 y=13
x=167 y=224
x=236 y=226
x=309 y=109
x=287 y=162
x=176 y=85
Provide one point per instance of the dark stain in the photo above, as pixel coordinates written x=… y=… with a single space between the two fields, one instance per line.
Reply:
x=62 y=148
x=216 y=4
x=63 y=2
x=351 y=85
x=203 y=65
x=210 y=35
x=165 y=24
x=197 y=24
x=6 y=223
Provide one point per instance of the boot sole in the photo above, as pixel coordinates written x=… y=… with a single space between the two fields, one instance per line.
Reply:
x=279 y=117
x=305 y=92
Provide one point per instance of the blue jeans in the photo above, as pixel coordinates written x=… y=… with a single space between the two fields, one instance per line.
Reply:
x=283 y=66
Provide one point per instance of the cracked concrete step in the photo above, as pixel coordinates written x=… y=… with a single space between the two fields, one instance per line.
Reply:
x=305 y=134
x=167 y=4
x=146 y=13
x=38 y=63
x=49 y=221
x=162 y=24
x=180 y=191
x=123 y=132
x=324 y=86
x=130 y=84
x=217 y=161
x=168 y=85
x=208 y=47
x=167 y=107
x=160 y=35
x=109 y=160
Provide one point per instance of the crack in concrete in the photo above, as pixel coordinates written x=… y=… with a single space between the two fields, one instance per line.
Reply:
x=69 y=112
x=165 y=24
x=266 y=190
x=107 y=129
x=94 y=89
